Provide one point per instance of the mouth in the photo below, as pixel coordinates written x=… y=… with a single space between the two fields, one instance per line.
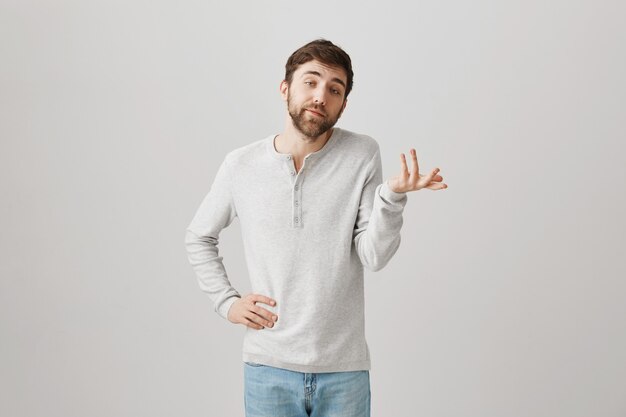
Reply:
x=315 y=113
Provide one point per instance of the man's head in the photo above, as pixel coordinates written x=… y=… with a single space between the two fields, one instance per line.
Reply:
x=318 y=79
x=325 y=52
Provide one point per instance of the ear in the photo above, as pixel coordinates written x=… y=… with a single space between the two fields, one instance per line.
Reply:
x=284 y=90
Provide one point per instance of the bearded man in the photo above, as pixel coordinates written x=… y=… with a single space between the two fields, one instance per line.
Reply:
x=314 y=212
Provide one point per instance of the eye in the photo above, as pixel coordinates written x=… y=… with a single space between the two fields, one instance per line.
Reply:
x=309 y=82
x=335 y=91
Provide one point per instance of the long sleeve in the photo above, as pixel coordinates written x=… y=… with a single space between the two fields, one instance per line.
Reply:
x=379 y=220
x=216 y=212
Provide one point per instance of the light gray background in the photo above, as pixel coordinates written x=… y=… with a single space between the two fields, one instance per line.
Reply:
x=507 y=295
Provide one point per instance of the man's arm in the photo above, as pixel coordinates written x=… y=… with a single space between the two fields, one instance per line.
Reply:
x=377 y=230
x=376 y=233
x=216 y=212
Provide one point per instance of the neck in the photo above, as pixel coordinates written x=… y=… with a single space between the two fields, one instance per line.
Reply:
x=293 y=142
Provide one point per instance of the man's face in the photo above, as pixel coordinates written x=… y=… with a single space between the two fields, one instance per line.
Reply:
x=315 y=98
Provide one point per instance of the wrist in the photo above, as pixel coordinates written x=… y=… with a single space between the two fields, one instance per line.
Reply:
x=394 y=197
x=392 y=187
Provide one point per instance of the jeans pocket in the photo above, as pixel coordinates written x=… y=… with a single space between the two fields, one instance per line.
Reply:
x=252 y=364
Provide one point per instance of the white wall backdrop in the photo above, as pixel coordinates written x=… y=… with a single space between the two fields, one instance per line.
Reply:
x=507 y=295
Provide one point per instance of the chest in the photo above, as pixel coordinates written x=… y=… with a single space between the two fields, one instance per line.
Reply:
x=279 y=197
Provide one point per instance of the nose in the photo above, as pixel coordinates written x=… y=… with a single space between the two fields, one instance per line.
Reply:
x=320 y=96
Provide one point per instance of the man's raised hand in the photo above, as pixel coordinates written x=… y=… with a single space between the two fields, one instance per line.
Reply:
x=245 y=311
x=412 y=180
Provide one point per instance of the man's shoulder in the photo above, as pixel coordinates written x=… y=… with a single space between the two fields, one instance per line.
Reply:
x=358 y=143
x=246 y=153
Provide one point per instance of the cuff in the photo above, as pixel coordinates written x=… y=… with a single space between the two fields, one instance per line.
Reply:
x=225 y=306
x=391 y=196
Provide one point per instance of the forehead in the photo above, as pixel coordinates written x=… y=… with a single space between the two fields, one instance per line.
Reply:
x=324 y=70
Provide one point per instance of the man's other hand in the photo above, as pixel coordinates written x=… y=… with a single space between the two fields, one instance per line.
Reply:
x=412 y=180
x=245 y=311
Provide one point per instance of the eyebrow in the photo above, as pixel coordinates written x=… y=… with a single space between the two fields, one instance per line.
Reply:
x=335 y=79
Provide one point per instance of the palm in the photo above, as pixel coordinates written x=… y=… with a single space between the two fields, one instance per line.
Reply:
x=411 y=180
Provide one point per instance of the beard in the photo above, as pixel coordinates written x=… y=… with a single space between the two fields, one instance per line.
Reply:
x=310 y=126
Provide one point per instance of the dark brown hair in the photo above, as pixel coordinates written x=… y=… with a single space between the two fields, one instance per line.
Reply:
x=324 y=51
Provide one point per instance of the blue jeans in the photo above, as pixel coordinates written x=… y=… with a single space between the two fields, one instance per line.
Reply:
x=276 y=392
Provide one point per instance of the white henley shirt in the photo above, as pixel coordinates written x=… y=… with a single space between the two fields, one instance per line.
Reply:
x=307 y=236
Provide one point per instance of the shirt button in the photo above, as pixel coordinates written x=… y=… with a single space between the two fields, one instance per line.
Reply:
x=288 y=156
x=296 y=187
x=293 y=172
x=296 y=204
x=297 y=220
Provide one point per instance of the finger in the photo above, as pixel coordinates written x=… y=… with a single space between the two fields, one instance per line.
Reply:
x=258 y=298
x=426 y=180
x=415 y=167
x=268 y=316
x=250 y=323
x=404 y=170
x=432 y=174
x=437 y=186
x=255 y=318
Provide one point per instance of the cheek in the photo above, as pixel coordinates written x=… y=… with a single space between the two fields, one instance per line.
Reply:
x=339 y=107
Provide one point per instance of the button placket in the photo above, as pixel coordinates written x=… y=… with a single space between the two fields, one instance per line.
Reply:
x=297 y=205
x=296 y=180
x=291 y=166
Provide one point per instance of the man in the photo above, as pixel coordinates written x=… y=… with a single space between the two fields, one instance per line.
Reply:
x=314 y=211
